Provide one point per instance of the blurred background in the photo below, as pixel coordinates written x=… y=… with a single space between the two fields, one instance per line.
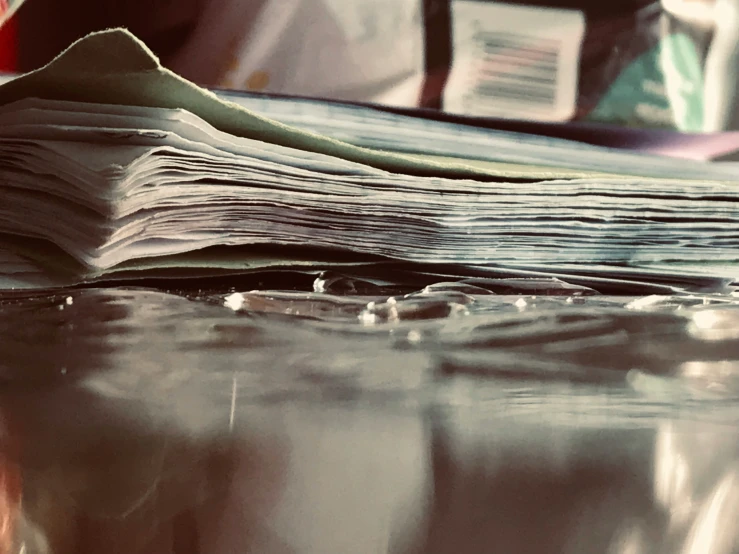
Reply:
x=653 y=64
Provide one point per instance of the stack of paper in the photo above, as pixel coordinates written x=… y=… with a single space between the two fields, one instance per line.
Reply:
x=415 y=132
x=108 y=162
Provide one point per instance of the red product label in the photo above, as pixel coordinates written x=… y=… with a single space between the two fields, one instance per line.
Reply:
x=8 y=41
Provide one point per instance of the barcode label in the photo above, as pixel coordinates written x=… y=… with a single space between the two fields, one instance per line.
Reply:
x=514 y=61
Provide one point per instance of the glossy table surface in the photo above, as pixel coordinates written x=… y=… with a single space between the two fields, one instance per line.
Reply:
x=347 y=416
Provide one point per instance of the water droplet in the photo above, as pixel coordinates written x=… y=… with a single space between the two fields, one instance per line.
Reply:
x=319 y=285
x=520 y=303
x=367 y=318
x=69 y=300
x=541 y=286
x=464 y=288
x=234 y=301
x=329 y=282
x=414 y=336
x=646 y=302
x=446 y=294
x=394 y=310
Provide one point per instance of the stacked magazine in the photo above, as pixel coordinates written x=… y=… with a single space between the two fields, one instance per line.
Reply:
x=110 y=164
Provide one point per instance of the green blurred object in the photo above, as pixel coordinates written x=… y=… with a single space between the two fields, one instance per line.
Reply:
x=650 y=94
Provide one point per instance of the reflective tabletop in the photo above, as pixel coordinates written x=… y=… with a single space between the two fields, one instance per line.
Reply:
x=340 y=415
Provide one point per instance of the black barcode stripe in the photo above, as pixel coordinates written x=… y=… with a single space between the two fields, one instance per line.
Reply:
x=494 y=69
x=518 y=68
x=510 y=59
x=494 y=47
x=516 y=56
x=518 y=38
x=496 y=90
x=525 y=77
